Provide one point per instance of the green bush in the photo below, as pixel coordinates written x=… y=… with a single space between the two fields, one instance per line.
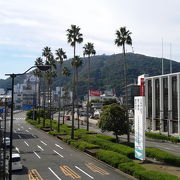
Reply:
x=82 y=145
x=130 y=167
x=163 y=156
x=112 y=158
x=162 y=137
x=108 y=138
x=125 y=150
x=154 y=175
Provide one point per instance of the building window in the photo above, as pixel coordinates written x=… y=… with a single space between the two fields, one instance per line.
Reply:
x=174 y=98
x=149 y=98
x=157 y=98
x=165 y=97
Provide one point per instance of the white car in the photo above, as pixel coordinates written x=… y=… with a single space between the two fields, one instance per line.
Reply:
x=7 y=141
x=16 y=162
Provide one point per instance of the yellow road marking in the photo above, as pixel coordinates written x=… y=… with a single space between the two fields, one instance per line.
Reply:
x=34 y=175
x=69 y=172
x=94 y=168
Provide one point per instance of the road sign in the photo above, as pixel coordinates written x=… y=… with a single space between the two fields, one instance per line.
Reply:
x=139 y=117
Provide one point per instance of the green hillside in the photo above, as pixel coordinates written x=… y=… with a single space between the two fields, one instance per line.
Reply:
x=107 y=71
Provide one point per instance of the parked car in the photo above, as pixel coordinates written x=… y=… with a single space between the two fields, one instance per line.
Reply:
x=6 y=141
x=16 y=162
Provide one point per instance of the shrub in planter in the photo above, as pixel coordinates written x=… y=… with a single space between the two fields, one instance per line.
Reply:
x=82 y=145
x=130 y=167
x=112 y=158
x=154 y=175
x=163 y=156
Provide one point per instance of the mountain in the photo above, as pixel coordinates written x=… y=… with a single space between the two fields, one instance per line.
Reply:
x=107 y=71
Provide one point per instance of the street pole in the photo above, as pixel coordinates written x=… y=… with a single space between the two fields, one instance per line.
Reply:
x=11 y=126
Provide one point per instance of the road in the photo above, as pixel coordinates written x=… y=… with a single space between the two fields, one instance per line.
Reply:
x=48 y=158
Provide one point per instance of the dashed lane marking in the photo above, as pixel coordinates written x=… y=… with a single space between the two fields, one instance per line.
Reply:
x=36 y=154
x=44 y=143
x=19 y=136
x=83 y=172
x=27 y=131
x=26 y=143
x=69 y=172
x=40 y=147
x=97 y=169
x=58 y=146
x=58 y=154
x=17 y=149
x=34 y=175
x=54 y=173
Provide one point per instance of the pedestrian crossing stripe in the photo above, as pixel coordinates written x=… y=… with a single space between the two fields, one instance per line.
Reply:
x=34 y=175
x=19 y=118
x=94 y=168
x=69 y=172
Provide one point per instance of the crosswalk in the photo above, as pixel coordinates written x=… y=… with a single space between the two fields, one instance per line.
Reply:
x=19 y=118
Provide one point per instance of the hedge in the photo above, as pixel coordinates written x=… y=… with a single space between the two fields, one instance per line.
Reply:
x=154 y=175
x=163 y=156
x=83 y=145
x=130 y=167
x=162 y=137
x=125 y=150
x=112 y=158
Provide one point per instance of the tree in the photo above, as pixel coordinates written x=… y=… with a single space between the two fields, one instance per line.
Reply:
x=122 y=38
x=76 y=63
x=88 y=50
x=61 y=56
x=66 y=73
x=114 y=119
x=39 y=75
x=74 y=36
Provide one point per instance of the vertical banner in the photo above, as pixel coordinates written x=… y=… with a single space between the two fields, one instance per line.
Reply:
x=142 y=88
x=139 y=118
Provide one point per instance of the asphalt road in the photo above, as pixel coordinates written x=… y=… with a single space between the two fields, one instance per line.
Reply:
x=48 y=158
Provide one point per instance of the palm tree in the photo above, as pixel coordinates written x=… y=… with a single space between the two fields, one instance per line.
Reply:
x=61 y=56
x=66 y=73
x=38 y=74
x=122 y=38
x=50 y=74
x=46 y=52
x=76 y=63
x=74 y=36
x=89 y=51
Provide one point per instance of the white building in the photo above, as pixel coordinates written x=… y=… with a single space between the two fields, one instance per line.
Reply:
x=162 y=95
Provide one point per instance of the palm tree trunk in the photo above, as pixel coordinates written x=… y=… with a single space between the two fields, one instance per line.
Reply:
x=44 y=103
x=77 y=99
x=50 y=101
x=59 y=105
x=126 y=93
x=72 y=128
x=88 y=93
x=39 y=102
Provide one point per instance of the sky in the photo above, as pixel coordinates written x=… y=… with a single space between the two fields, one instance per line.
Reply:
x=26 y=27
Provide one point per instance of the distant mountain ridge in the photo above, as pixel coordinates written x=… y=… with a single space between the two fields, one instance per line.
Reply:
x=107 y=71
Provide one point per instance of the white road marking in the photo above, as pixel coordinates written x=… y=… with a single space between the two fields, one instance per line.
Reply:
x=22 y=127
x=15 y=131
x=58 y=146
x=58 y=153
x=84 y=172
x=33 y=136
x=18 y=129
x=36 y=154
x=27 y=131
x=40 y=147
x=26 y=143
x=44 y=143
x=30 y=128
x=19 y=136
x=54 y=173
x=17 y=150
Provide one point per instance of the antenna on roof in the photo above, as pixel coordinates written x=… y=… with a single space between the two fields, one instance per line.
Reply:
x=170 y=59
x=162 y=59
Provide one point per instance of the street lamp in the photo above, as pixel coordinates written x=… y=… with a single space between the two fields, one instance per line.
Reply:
x=40 y=67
